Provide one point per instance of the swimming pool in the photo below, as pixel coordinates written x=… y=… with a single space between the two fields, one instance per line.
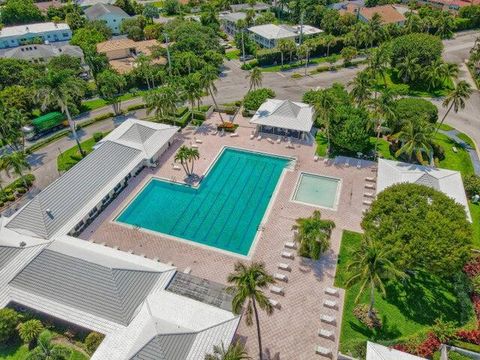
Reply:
x=317 y=190
x=224 y=212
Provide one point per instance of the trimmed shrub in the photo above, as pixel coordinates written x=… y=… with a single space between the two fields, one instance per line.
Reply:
x=472 y=185
x=97 y=136
x=361 y=313
x=414 y=109
x=136 y=107
x=255 y=98
x=227 y=127
x=268 y=57
x=21 y=190
x=8 y=322
x=29 y=331
x=92 y=341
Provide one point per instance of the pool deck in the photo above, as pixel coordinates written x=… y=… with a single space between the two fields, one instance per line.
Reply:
x=292 y=331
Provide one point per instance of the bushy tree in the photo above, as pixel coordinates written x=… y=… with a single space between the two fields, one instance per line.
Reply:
x=349 y=129
x=425 y=48
x=420 y=228
x=8 y=321
x=255 y=98
x=248 y=44
x=412 y=109
x=111 y=86
x=192 y=36
x=472 y=185
x=20 y=12
x=171 y=7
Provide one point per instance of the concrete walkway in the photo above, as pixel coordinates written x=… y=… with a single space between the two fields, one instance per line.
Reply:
x=453 y=134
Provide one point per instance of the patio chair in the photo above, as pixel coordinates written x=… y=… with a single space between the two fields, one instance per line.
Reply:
x=320 y=350
x=281 y=277
x=371 y=179
x=194 y=146
x=284 y=266
x=328 y=319
x=359 y=164
x=259 y=137
x=215 y=132
x=276 y=290
x=274 y=303
x=279 y=140
x=367 y=202
x=331 y=291
x=270 y=141
x=370 y=186
x=176 y=167
x=370 y=195
x=188 y=270
x=287 y=255
x=327 y=334
x=234 y=135
x=315 y=158
x=290 y=245
x=252 y=136
x=198 y=141
x=332 y=304
x=347 y=163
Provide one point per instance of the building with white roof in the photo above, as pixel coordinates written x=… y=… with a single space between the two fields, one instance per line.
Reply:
x=13 y=36
x=380 y=352
x=229 y=21
x=257 y=7
x=268 y=35
x=112 y=15
x=145 y=309
x=447 y=181
x=285 y=118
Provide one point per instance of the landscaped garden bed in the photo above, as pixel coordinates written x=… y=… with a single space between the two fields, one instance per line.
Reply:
x=16 y=189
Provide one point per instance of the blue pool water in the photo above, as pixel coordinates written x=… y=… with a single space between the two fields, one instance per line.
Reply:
x=224 y=211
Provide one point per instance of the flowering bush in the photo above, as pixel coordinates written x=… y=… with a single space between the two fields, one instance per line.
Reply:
x=470 y=336
x=429 y=346
x=361 y=313
x=227 y=126
x=472 y=268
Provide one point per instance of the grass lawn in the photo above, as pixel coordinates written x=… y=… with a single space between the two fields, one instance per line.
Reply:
x=321 y=144
x=383 y=148
x=393 y=83
x=459 y=161
x=90 y=105
x=20 y=352
x=71 y=157
x=409 y=307
x=475 y=212
x=467 y=140
x=233 y=54
x=300 y=63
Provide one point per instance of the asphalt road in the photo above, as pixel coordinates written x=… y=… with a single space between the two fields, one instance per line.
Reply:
x=233 y=86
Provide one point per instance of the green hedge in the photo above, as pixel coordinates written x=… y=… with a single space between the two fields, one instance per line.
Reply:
x=136 y=107
x=8 y=193
x=255 y=98
x=268 y=57
x=97 y=118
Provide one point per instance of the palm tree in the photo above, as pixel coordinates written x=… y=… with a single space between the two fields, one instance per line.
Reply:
x=378 y=63
x=371 y=267
x=45 y=350
x=193 y=89
x=445 y=25
x=29 y=331
x=60 y=88
x=143 y=64
x=376 y=32
x=16 y=162
x=182 y=157
x=361 y=87
x=255 y=78
x=324 y=105
x=192 y=155
x=208 y=76
x=162 y=101
x=235 y=351
x=283 y=46
x=456 y=100
x=383 y=109
x=416 y=138
x=329 y=41
x=313 y=235
x=433 y=74
x=408 y=68
x=248 y=283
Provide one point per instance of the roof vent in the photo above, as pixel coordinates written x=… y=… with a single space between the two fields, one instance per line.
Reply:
x=23 y=244
x=49 y=213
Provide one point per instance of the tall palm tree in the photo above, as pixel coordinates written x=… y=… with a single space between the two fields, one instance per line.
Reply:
x=255 y=78
x=29 y=331
x=361 y=87
x=45 y=350
x=434 y=74
x=143 y=64
x=16 y=162
x=376 y=32
x=382 y=110
x=248 y=283
x=182 y=157
x=324 y=105
x=408 y=68
x=378 y=63
x=193 y=89
x=192 y=155
x=370 y=268
x=235 y=351
x=162 y=101
x=208 y=76
x=313 y=235
x=283 y=45
x=329 y=41
x=416 y=138
x=456 y=100
x=60 y=88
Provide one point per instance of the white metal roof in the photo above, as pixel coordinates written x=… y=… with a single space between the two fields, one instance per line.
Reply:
x=380 y=352
x=38 y=28
x=447 y=181
x=233 y=17
x=284 y=114
x=272 y=32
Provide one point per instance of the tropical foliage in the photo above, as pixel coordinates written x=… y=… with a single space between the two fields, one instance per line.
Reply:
x=186 y=157
x=313 y=235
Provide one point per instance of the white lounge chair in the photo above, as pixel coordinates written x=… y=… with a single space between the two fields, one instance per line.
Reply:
x=359 y=164
x=188 y=270
x=371 y=179
x=176 y=167
x=367 y=202
x=290 y=245
x=215 y=132
x=332 y=304
x=198 y=141
x=234 y=135
x=279 y=140
x=347 y=163
x=194 y=146
x=370 y=195
x=252 y=136
x=328 y=319
x=315 y=158
x=287 y=255
x=325 y=333
x=274 y=303
x=276 y=290
x=331 y=291
x=284 y=266
x=320 y=350
x=281 y=277
x=270 y=141
x=259 y=137
x=370 y=186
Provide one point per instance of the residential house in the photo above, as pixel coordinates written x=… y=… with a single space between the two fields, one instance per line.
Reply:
x=388 y=13
x=229 y=22
x=45 y=5
x=257 y=7
x=449 y=5
x=87 y=3
x=40 y=53
x=447 y=181
x=285 y=118
x=122 y=53
x=13 y=36
x=112 y=15
x=268 y=35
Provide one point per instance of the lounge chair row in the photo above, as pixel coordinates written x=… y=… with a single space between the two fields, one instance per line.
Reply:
x=329 y=320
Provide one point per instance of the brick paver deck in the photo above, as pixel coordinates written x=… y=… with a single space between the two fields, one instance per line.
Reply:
x=292 y=331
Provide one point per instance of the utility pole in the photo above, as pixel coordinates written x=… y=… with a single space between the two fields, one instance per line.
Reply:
x=168 y=54
x=243 y=46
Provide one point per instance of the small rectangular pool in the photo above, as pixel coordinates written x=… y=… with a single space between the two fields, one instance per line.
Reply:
x=317 y=190
x=224 y=212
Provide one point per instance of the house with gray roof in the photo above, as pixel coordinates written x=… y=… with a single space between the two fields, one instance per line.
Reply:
x=42 y=53
x=229 y=21
x=112 y=15
x=268 y=35
x=87 y=3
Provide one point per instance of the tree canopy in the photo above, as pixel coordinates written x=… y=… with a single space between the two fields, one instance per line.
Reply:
x=20 y=12
x=349 y=129
x=425 y=48
x=413 y=109
x=420 y=228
